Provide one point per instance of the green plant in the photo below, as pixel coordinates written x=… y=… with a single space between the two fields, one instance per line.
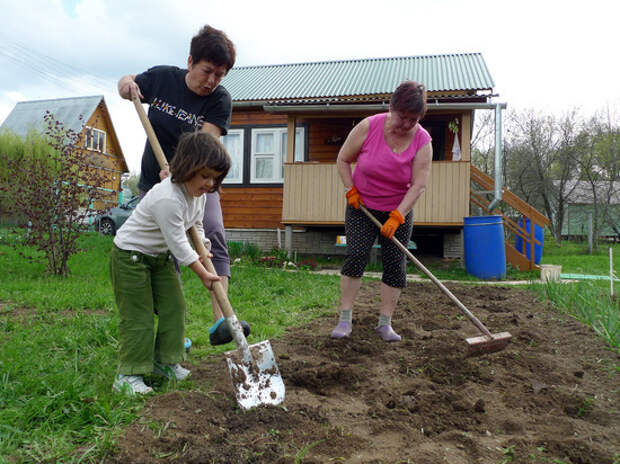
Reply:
x=453 y=126
x=588 y=303
x=14 y=147
x=243 y=249
x=509 y=454
x=307 y=264
x=299 y=458
x=275 y=258
x=586 y=407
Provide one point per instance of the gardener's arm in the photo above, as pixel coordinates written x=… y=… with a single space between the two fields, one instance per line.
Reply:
x=128 y=88
x=205 y=276
x=350 y=150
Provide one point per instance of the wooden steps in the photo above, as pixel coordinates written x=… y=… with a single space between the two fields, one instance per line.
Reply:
x=511 y=227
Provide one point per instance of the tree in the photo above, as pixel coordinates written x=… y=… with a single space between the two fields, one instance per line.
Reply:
x=132 y=183
x=54 y=194
x=540 y=161
x=14 y=147
x=483 y=141
x=599 y=166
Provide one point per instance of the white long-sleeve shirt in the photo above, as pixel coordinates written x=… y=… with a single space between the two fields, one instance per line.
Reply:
x=160 y=223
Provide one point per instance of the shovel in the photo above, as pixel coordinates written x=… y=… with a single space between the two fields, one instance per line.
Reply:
x=253 y=370
x=487 y=343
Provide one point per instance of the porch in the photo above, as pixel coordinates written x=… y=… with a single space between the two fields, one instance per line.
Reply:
x=314 y=195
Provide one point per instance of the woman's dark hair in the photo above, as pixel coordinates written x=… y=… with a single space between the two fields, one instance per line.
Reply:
x=213 y=45
x=410 y=97
x=195 y=152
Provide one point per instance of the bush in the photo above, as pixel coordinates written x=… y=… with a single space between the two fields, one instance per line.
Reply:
x=13 y=147
x=53 y=190
x=275 y=258
x=240 y=249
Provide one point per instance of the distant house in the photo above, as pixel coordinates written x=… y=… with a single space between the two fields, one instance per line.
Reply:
x=289 y=122
x=580 y=203
x=87 y=116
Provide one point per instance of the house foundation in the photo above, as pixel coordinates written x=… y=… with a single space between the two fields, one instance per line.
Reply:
x=322 y=241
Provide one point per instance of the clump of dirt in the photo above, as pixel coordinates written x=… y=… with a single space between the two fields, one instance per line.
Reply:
x=550 y=396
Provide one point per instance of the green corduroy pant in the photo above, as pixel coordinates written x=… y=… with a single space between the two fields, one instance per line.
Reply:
x=145 y=286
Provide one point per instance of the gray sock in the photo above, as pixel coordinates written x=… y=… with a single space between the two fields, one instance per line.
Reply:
x=384 y=320
x=346 y=315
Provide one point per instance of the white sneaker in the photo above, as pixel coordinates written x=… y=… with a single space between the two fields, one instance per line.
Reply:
x=131 y=384
x=173 y=372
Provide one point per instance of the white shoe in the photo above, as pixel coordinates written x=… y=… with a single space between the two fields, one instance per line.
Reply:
x=130 y=385
x=173 y=372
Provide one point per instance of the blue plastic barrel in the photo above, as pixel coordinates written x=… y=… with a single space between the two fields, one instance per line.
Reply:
x=485 y=255
x=539 y=234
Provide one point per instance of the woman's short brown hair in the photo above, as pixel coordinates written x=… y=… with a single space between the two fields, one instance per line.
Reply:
x=214 y=46
x=195 y=152
x=410 y=97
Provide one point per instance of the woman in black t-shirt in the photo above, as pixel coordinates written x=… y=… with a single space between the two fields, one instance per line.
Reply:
x=183 y=100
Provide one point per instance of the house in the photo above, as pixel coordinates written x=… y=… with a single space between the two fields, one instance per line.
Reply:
x=289 y=122
x=87 y=116
x=580 y=204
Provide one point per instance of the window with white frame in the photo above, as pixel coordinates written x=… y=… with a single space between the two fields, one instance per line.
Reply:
x=268 y=153
x=95 y=139
x=233 y=141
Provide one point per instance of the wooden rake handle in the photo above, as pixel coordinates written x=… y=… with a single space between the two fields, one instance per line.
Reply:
x=436 y=281
x=218 y=288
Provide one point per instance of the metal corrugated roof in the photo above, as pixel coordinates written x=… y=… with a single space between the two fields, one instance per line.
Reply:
x=28 y=115
x=373 y=76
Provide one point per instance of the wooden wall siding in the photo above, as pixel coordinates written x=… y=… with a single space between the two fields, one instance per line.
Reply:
x=256 y=118
x=111 y=160
x=101 y=121
x=313 y=194
x=446 y=200
x=326 y=136
x=252 y=207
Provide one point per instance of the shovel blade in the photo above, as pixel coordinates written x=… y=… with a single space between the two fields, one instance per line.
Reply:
x=257 y=381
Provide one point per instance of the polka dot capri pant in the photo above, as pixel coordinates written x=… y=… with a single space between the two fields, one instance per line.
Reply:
x=361 y=234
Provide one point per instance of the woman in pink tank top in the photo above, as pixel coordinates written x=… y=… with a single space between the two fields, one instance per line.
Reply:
x=393 y=155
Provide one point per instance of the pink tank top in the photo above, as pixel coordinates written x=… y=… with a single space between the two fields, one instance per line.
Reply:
x=381 y=176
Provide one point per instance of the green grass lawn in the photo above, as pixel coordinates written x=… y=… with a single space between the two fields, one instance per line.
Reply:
x=574 y=257
x=59 y=337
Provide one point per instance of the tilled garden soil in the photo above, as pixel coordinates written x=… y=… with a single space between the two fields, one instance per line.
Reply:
x=550 y=397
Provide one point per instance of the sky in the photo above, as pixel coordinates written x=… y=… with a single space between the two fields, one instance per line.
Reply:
x=546 y=55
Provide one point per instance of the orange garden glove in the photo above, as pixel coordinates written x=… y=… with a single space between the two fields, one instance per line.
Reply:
x=353 y=197
x=392 y=224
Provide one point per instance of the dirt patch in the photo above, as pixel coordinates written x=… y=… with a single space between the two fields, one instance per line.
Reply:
x=553 y=393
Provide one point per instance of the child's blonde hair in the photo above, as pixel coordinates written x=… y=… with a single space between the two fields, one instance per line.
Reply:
x=195 y=152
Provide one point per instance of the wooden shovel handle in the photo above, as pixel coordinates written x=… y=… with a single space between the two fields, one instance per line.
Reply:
x=218 y=288
x=150 y=133
x=436 y=281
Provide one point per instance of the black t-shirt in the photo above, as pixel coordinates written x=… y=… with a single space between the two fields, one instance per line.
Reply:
x=175 y=109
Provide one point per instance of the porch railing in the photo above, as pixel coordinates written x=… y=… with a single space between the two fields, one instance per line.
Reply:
x=530 y=217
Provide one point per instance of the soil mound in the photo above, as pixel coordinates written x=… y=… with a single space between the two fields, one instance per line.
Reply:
x=551 y=396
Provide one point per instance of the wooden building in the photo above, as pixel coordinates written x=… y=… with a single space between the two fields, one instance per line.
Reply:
x=582 y=206
x=289 y=122
x=87 y=116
